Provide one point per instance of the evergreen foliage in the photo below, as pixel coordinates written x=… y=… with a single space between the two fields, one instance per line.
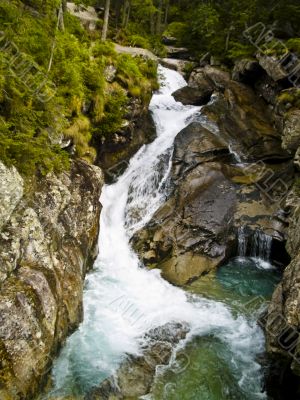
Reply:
x=75 y=101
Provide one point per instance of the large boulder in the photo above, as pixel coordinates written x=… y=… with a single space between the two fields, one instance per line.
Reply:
x=193 y=96
x=181 y=53
x=47 y=246
x=195 y=230
x=247 y=71
x=115 y=151
x=214 y=77
x=272 y=66
x=246 y=123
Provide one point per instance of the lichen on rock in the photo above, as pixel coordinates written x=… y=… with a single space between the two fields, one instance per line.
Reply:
x=47 y=246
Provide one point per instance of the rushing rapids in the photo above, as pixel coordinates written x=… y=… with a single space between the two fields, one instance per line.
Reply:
x=123 y=300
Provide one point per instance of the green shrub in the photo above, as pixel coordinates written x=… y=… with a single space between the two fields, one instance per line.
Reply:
x=81 y=106
x=139 y=41
x=294 y=45
x=179 y=30
x=30 y=152
x=114 y=111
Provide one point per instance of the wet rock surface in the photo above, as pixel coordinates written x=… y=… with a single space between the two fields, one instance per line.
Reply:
x=135 y=376
x=193 y=96
x=47 y=246
x=211 y=197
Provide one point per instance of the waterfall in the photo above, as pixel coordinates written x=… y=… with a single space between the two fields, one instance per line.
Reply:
x=261 y=246
x=122 y=301
x=242 y=242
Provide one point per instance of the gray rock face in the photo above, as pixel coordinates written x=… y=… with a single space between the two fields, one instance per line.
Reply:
x=272 y=66
x=48 y=244
x=135 y=376
x=11 y=192
x=282 y=322
x=245 y=121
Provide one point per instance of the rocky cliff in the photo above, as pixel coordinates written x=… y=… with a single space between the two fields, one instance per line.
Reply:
x=282 y=321
x=48 y=238
x=229 y=172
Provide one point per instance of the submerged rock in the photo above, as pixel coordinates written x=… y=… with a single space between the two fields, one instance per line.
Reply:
x=135 y=376
x=47 y=246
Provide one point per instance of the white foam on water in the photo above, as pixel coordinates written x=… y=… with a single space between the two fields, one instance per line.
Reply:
x=122 y=300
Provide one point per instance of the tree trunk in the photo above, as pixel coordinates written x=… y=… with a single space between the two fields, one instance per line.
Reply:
x=126 y=14
x=167 y=13
x=152 y=24
x=118 y=12
x=105 y=22
x=61 y=23
x=159 y=14
x=64 y=5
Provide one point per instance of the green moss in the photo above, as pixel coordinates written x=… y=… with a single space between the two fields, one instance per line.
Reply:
x=294 y=45
x=291 y=96
x=6 y=370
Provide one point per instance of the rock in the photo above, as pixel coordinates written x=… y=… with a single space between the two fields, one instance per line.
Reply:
x=135 y=376
x=87 y=15
x=210 y=199
x=169 y=40
x=213 y=77
x=291 y=131
x=192 y=96
x=135 y=51
x=47 y=246
x=247 y=71
x=178 y=52
x=11 y=192
x=110 y=73
x=217 y=76
x=181 y=66
x=115 y=151
x=282 y=321
x=245 y=122
x=272 y=66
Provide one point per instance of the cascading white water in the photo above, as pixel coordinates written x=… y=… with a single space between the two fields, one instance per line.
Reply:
x=122 y=300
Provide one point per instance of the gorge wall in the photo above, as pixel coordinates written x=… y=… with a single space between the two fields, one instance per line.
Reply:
x=49 y=231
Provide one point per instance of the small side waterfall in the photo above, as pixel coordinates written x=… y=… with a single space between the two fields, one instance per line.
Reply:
x=256 y=245
x=242 y=242
x=261 y=245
